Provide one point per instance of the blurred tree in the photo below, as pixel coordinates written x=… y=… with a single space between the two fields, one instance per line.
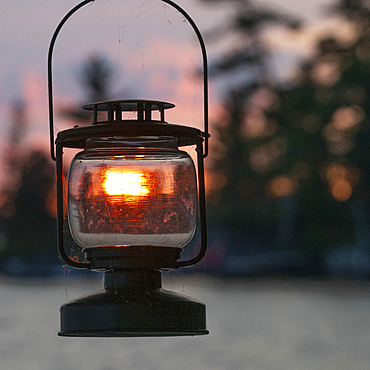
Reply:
x=246 y=144
x=31 y=228
x=95 y=76
x=249 y=53
x=325 y=119
x=27 y=208
x=10 y=159
x=301 y=149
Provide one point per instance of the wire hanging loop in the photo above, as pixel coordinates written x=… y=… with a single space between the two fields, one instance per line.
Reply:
x=205 y=72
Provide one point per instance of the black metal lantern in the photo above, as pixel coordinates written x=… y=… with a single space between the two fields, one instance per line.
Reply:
x=134 y=199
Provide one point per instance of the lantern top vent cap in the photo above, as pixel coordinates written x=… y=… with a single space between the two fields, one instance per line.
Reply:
x=144 y=108
x=128 y=105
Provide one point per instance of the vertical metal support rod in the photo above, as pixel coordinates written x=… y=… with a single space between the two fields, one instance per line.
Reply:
x=118 y=114
x=60 y=213
x=202 y=211
x=148 y=111
x=96 y=113
x=110 y=113
x=140 y=111
x=161 y=110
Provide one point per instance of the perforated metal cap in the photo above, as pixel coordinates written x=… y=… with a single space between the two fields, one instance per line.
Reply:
x=143 y=108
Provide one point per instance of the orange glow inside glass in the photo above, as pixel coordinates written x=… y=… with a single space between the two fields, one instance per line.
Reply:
x=123 y=182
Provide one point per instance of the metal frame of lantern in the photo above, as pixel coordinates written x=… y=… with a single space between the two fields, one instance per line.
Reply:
x=159 y=313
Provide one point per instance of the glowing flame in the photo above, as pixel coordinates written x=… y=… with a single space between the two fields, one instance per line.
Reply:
x=125 y=182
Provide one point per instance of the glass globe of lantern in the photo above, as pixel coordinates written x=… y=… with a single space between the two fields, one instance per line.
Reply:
x=132 y=192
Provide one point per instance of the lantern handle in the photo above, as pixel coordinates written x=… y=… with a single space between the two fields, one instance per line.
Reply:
x=205 y=72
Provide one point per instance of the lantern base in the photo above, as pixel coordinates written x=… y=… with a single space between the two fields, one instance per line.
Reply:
x=133 y=304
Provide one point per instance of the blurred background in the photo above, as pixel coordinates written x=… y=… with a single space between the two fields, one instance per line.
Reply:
x=285 y=277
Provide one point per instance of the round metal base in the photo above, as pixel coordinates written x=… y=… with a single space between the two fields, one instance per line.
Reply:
x=125 y=309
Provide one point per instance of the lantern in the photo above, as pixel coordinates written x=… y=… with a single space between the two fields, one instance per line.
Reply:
x=134 y=201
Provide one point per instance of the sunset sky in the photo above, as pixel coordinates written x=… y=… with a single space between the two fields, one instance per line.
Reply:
x=155 y=53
